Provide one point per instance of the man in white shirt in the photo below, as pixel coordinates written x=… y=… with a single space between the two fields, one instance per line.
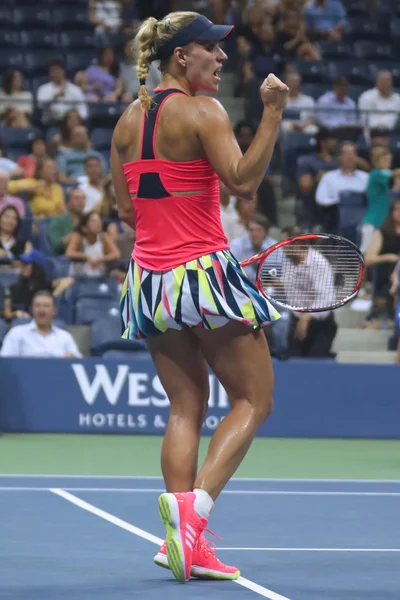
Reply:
x=383 y=101
x=40 y=338
x=345 y=179
x=59 y=95
x=301 y=103
x=92 y=184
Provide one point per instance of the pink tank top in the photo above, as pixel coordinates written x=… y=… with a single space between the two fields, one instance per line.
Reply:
x=172 y=230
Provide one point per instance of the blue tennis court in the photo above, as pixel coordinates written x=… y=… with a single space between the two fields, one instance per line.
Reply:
x=95 y=537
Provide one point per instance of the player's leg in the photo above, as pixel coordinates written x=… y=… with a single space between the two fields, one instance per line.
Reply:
x=241 y=361
x=183 y=373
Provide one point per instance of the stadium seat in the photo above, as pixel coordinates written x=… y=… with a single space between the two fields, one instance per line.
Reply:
x=312 y=72
x=61 y=266
x=9 y=39
x=37 y=61
x=336 y=50
x=364 y=28
x=20 y=321
x=372 y=50
x=79 y=61
x=77 y=39
x=10 y=59
x=353 y=70
x=355 y=91
x=101 y=139
x=8 y=279
x=392 y=66
x=293 y=146
x=18 y=137
x=39 y=38
x=106 y=335
x=67 y=17
x=104 y=114
x=6 y=17
x=36 y=82
x=93 y=287
x=315 y=89
x=25 y=233
x=32 y=17
x=88 y=310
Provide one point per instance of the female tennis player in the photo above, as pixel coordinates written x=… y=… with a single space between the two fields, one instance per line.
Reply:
x=184 y=292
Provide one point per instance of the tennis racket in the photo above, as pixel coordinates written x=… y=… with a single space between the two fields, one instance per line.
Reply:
x=309 y=273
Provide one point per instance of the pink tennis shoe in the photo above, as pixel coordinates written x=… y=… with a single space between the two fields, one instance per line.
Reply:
x=186 y=551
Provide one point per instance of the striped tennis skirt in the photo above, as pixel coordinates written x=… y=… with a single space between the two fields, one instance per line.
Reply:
x=205 y=292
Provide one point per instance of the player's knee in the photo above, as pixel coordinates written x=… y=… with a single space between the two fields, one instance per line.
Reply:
x=264 y=408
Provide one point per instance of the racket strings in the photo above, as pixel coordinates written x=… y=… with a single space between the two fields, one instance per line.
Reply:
x=311 y=277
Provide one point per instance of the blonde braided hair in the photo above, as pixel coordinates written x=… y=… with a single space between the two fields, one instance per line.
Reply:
x=151 y=35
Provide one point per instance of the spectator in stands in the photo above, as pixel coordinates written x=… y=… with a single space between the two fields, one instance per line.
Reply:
x=125 y=242
x=253 y=16
x=6 y=199
x=71 y=163
x=15 y=118
x=336 y=108
x=345 y=179
x=301 y=103
x=255 y=240
x=8 y=165
x=326 y=19
x=93 y=187
x=382 y=101
x=378 y=193
x=105 y=15
x=311 y=335
x=45 y=195
x=291 y=38
x=40 y=338
x=62 y=227
x=36 y=151
x=19 y=296
x=383 y=254
x=63 y=140
x=10 y=224
x=59 y=95
x=310 y=169
x=13 y=95
x=130 y=78
x=103 y=82
x=93 y=249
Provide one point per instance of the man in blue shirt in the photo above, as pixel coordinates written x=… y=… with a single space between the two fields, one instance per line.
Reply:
x=325 y=19
x=71 y=163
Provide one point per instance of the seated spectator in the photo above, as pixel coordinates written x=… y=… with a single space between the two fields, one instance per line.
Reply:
x=15 y=118
x=378 y=193
x=235 y=213
x=13 y=95
x=8 y=165
x=103 y=82
x=291 y=38
x=336 y=108
x=45 y=195
x=130 y=78
x=301 y=103
x=253 y=16
x=125 y=242
x=59 y=95
x=28 y=162
x=255 y=240
x=310 y=335
x=6 y=199
x=10 y=245
x=62 y=227
x=380 y=107
x=383 y=254
x=92 y=248
x=40 y=338
x=326 y=19
x=109 y=209
x=63 y=140
x=19 y=296
x=105 y=15
x=345 y=179
x=310 y=169
x=71 y=163
x=93 y=187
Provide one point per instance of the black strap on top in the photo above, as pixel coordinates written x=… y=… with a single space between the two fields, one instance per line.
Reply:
x=150 y=122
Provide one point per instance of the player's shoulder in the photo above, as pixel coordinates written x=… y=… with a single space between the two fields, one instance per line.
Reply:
x=208 y=108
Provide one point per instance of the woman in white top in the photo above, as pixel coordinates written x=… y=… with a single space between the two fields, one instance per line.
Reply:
x=91 y=247
x=13 y=96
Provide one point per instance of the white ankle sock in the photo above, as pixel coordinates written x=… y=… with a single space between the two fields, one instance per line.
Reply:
x=203 y=503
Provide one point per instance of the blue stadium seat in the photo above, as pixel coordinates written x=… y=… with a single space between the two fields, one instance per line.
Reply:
x=116 y=39
x=336 y=50
x=88 y=310
x=101 y=139
x=8 y=279
x=42 y=242
x=315 y=89
x=373 y=50
x=9 y=39
x=106 y=335
x=16 y=137
x=10 y=59
x=355 y=91
x=61 y=266
x=364 y=28
x=32 y=16
x=37 y=61
x=71 y=17
x=351 y=212
x=104 y=114
x=293 y=146
x=79 y=61
x=3 y=326
x=311 y=71
x=77 y=39
x=6 y=16
x=39 y=38
x=93 y=287
x=353 y=70
x=25 y=233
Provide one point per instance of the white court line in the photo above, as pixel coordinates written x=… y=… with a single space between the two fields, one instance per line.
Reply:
x=313 y=549
x=258 y=589
x=228 y=492
x=155 y=477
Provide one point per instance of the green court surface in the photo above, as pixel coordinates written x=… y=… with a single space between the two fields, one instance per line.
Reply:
x=139 y=455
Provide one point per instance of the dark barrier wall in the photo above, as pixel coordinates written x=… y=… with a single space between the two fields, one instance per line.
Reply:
x=312 y=398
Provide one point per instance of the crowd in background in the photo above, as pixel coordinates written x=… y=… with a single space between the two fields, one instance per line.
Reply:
x=337 y=151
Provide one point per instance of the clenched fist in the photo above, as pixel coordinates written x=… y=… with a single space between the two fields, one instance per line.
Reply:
x=274 y=92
